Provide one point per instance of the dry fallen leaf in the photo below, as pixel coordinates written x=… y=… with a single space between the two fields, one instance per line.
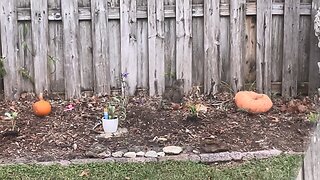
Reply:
x=85 y=172
x=302 y=108
x=201 y=108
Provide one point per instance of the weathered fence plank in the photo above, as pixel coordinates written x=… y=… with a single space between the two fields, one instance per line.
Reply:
x=170 y=47
x=55 y=52
x=211 y=46
x=85 y=47
x=263 y=46
x=25 y=63
x=9 y=41
x=142 y=54
x=290 y=48
x=314 y=81
x=156 y=47
x=184 y=42
x=128 y=28
x=277 y=48
x=39 y=19
x=114 y=46
x=225 y=49
x=100 y=46
x=70 y=47
x=237 y=37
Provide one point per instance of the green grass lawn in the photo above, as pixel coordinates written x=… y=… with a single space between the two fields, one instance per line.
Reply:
x=284 y=167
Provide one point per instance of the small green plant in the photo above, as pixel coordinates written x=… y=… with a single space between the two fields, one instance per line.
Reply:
x=2 y=69
x=193 y=111
x=117 y=105
x=12 y=116
x=313 y=117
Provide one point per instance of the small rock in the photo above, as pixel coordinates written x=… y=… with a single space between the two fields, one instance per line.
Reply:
x=117 y=154
x=104 y=154
x=151 y=154
x=130 y=154
x=195 y=151
x=95 y=150
x=140 y=154
x=172 y=150
x=161 y=154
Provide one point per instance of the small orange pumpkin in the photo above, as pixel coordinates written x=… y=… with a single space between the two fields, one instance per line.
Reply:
x=253 y=102
x=41 y=107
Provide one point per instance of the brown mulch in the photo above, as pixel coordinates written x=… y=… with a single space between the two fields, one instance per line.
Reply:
x=69 y=134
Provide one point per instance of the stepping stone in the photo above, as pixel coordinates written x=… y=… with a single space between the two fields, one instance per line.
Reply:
x=172 y=150
x=151 y=154
x=130 y=155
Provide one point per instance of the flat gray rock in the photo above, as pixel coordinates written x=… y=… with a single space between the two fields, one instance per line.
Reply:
x=172 y=150
x=130 y=155
x=140 y=154
x=117 y=154
x=151 y=154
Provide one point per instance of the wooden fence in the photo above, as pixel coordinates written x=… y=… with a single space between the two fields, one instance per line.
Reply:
x=71 y=46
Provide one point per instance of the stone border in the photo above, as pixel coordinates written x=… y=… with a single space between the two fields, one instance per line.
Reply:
x=202 y=158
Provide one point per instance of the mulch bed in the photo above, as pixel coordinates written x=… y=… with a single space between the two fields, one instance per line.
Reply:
x=69 y=134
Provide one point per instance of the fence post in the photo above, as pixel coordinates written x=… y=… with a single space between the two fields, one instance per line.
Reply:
x=184 y=42
x=290 y=48
x=263 y=45
x=237 y=43
x=100 y=42
x=128 y=28
x=39 y=19
x=156 y=47
x=211 y=46
x=9 y=34
x=70 y=20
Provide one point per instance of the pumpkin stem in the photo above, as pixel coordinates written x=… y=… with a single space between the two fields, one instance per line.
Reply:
x=40 y=96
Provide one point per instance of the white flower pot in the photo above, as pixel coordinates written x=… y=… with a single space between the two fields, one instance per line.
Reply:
x=110 y=125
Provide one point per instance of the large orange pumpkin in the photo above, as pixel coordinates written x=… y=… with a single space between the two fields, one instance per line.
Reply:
x=253 y=102
x=41 y=107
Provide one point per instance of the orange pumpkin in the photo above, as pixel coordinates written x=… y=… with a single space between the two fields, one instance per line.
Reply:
x=41 y=107
x=253 y=102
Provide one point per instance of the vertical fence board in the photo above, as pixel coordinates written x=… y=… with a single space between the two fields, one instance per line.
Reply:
x=225 y=49
x=184 y=43
x=197 y=52
x=114 y=47
x=142 y=53
x=304 y=48
x=290 y=48
x=128 y=28
x=9 y=48
x=211 y=46
x=85 y=56
x=56 y=60
x=277 y=48
x=99 y=11
x=170 y=47
x=249 y=63
x=143 y=65
x=85 y=51
x=314 y=82
x=39 y=19
x=25 y=56
x=263 y=46
x=156 y=47
x=237 y=37
x=71 y=63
